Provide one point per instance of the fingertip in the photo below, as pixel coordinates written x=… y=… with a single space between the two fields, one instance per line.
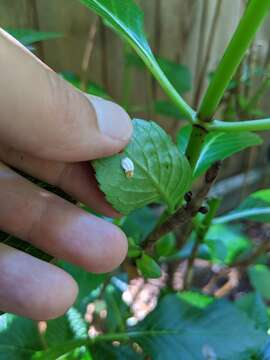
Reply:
x=113 y=120
x=60 y=300
x=110 y=252
x=33 y=288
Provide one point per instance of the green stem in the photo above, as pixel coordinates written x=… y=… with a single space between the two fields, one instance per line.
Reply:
x=195 y=144
x=233 y=126
x=186 y=111
x=245 y=32
x=213 y=205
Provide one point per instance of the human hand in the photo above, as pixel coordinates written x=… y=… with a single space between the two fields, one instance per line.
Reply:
x=49 y=130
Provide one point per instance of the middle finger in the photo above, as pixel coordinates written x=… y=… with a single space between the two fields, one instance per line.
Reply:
x=76 y=179
x=57 y=226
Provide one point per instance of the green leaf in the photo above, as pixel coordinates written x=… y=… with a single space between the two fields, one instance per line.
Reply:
x=226 y=243
x=148 y=267
x=178 y=74
x=252 y=304
x=30 y=36
x=126 y=19
x=87 y=282
x=220 y=327
x=259 y=276
x=58 y=331
x=97 y=90
x=163 y=107
x=182 y=138
x=19 y=338
x=161 y=173
x=166 y=245
x=256 y=208
x=196 y=299
x=134 y=250
x=219 y=146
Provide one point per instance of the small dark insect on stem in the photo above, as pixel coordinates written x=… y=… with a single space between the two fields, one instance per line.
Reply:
x=186 y=212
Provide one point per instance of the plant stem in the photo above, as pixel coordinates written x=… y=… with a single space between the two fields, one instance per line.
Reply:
x=186 y=213
x=186 y=111
x=213 y=204
x=233 y=126
x=188 y=273
x=195 y=144
x=243 y=36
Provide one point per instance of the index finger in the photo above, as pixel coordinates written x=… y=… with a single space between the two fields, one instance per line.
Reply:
x=43 y=115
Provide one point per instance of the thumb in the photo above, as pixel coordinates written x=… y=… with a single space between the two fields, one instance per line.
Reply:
x=43 y=115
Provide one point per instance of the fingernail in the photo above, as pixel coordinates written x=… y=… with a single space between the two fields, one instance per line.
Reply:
x=112 y=119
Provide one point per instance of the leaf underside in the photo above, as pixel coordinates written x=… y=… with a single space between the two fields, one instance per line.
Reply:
x=125 y=19
x=161 y=173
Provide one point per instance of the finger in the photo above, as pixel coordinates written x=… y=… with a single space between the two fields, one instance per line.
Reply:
x=32 y=288
x=58 y=227
x=76 y=179
x=43 y=115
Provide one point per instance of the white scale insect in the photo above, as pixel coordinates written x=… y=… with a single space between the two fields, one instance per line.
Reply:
x=128 y=167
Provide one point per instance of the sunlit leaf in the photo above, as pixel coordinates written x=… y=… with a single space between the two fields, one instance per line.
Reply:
x=217 y=146
x=161 y=174
x=196 y=299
